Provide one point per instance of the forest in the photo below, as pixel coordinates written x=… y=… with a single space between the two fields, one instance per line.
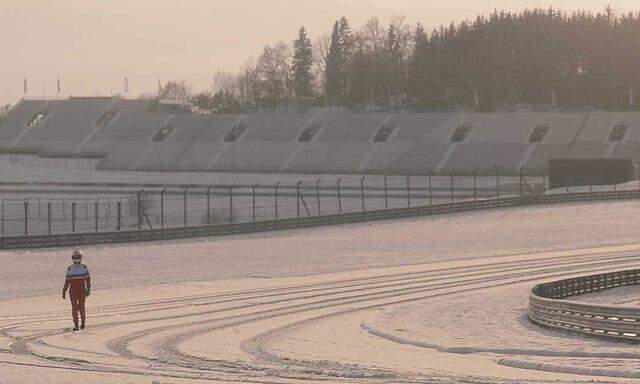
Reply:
x=536 y=59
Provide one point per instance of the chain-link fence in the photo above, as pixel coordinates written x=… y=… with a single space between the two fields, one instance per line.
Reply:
x=175 y=206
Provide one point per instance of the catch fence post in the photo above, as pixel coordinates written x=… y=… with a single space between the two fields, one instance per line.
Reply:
x=73 y=216
x=408 y=180
x=364 y=208
x=2 y=214
x=430 y=188
x=452 y=189
x=521 y=181
x=475 y=185
x=140 y=208
x=95 y=215
x=275 y=200
x=48 y=216
x=119 y=214
x=253 y=198
x=298 y=198
x=544 y=182
x=497 y=182
x=318 y=197
x=184 y=207
x=386 y=193
x=209 y=205
x=162 y=192
x=26 y=217
x=231 y=204
x=339 y=196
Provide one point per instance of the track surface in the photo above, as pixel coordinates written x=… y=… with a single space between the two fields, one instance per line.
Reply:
x=180 y=338
x=309 y=325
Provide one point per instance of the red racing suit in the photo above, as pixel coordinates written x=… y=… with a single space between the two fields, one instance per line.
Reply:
x=78 y=281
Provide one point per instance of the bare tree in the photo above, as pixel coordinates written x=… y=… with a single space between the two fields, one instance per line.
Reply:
x=175 y=91
x=226 y=82
x=320 y=52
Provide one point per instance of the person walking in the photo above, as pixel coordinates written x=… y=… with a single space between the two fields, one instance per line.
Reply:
x=78 y=282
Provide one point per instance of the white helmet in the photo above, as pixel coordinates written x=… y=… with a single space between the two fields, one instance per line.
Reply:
x=76 y=256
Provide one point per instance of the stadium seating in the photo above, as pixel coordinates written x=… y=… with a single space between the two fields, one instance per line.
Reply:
x=17 y=120
x=68 y=122
x=563 y=128
x=129 y=115
x=485 y=155
x=350 y=127
x=138 y=135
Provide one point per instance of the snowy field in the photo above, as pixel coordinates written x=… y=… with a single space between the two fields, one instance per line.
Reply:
x=425 y=300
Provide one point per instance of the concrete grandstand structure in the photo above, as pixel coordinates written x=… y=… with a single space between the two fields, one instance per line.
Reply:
x=143 y=136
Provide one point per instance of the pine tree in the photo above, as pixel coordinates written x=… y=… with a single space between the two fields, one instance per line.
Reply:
x=333 y=72
x=301 y=66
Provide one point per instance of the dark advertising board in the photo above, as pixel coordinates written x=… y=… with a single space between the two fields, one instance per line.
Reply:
x=582 y=172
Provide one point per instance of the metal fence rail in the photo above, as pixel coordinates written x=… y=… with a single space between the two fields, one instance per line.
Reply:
x=74 y=239
x=547 y=308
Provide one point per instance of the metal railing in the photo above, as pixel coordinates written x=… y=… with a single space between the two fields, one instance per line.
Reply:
x=547 y=307
x=299 y=221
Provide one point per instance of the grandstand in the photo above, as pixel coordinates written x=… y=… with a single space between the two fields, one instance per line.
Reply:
x=136 y=135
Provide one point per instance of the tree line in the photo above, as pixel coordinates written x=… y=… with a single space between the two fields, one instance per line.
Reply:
x=540 y=58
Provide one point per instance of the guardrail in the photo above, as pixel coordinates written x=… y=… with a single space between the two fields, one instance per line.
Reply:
x=547 y=308
x=75 y=239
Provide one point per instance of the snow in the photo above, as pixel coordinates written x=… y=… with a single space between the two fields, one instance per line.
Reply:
x=435 y=299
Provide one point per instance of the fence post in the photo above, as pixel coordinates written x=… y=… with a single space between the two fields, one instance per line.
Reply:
x=231 y=204
x=386 y=194
x=26 y=217
x=544 y=182
x=2 y=214
x=276 y=199
x=364 y=208
x=119 y=213
x=452 y=190
x=140 y=208
x=73 y=216
x=497 y=182
x=95 y=215
x=318 y=197
x=408 y=180
x=184 y=210
x=209 y=205
x=521 y=181
x=48 y=216
x=339 y=196
x=298 y=199
x=475 y=185
x=253 y=198
x=162 y=192
x=430 y=188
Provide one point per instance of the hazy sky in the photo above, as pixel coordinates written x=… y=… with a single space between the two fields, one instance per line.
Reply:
x=92 y=45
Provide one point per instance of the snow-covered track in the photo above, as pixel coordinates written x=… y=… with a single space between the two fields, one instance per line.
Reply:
x=150 y=336
x=547 y=306
x=77 y=239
